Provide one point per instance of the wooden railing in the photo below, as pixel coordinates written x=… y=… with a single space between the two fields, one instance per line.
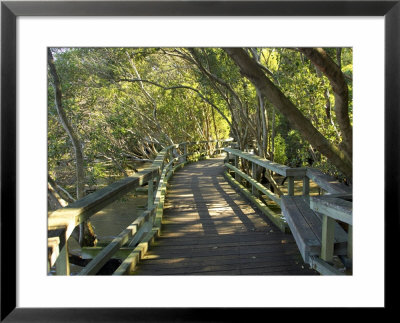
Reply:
x=291 y=173
x=63 y=221
x=334 y=205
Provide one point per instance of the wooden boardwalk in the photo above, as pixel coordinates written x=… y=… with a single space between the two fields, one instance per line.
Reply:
x=210 y=229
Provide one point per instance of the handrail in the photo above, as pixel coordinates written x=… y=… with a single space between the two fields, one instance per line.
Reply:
x=257 y=187
x=332 y=206
x=275 y=167
x=65 y=219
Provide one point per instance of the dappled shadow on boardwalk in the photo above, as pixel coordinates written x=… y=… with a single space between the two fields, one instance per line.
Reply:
x=209 y=229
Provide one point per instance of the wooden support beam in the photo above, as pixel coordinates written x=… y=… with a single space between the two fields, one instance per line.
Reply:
x=150 y=194
x=326 y=182
x=327 y=242
x=275 y=167
x=253 y=174
x=98 y=262
x=350 y=242
x=291 y=185
x=237 y=177
x=306 y=185
x=323 y=267
x=92 y=252
x=62 y=262
x=256 y=184
x=336 y=208
x=129 y=264
x=276 y=218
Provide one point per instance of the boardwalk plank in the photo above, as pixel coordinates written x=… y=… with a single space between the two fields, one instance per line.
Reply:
x=210 y=229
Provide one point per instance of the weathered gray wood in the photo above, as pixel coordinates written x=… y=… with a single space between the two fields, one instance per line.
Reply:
x=209 y=229
x=62 y=262
x=323 y=267
x=344 y=196
x=306 y=227
x=335 y=208
x=92 y=252
x=350 y=242
x=144 y=229
x=95 y=265
x=82 y=209
x=150 y=195
x=56 y=239
x=237 y=177
x=141 y=190
x=328 y=230
x=275 y=167
x=307 y=241
x=326 y=182
x=128 y=265
x=306 y=185
x=276 y=218
x=53 y=251
x=253 y=174
x=290 y=185
x=256 y=184
x=314 y=220
x=79 y=211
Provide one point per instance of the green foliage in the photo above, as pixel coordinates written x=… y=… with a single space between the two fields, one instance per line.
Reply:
x=118 y=117
x=280 y=150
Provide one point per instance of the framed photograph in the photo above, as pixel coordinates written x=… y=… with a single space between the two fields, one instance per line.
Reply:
x=29 y=28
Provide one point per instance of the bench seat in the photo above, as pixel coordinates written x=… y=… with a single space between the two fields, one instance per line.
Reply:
x=306 y=227
x=326 y=182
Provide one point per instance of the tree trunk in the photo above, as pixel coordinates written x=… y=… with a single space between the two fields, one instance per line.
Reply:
x=252 y=71
x=339 y=86
x=86 y=236
x=272 y=154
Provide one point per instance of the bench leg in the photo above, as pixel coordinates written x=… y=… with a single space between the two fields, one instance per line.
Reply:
x=350 y=242
x=328 y=230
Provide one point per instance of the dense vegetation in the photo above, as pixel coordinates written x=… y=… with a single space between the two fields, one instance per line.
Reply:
x=110 y=107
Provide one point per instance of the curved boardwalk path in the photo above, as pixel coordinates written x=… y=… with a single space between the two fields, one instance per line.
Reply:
x=210 y=229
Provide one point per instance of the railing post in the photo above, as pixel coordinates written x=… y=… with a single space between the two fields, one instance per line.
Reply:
x=237 y=166
x=150 y=194
x=328 y=231
x=290 y=185
x=254 y=190
x=62 y=262
x=306 y=185
x=350 y=242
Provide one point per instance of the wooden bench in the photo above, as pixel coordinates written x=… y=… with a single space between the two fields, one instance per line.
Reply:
x=326 y=182
x=306 y=227
x=317 y=234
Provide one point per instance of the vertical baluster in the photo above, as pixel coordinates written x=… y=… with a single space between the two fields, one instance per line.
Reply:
x=290 y=185
x=237 y=177
x=62 y=262
x=254 y=191
x=328 y=231
x=306 y=185
x=150 y=194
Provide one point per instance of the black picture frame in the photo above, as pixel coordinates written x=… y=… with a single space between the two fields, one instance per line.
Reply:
x=10 y=10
